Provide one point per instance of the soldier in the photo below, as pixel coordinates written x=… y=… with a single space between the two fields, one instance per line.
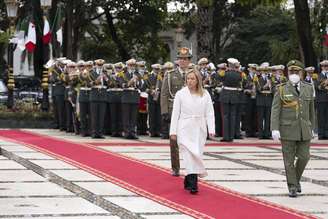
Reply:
x=241 y=103
x=70 y=67
x=292 y=122
x=84 y=98
x=115 y=93
x=278 y=76
x=130 y=82
x=173 y=81
x=168 y=66
x=98 y=98
x=264 y=98
x=203 y=68
x=56 y=78
x=230 y=98
x=250 y=99
x=321 y=86
x=72 y=95
x=310 y=76
x=143 y=109
x=154 y=106
x=216 y=84
x=108 y=69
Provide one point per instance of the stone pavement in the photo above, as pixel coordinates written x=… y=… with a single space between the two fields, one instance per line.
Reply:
x=33 y=184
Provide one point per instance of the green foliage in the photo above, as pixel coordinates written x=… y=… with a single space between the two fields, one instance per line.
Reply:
x=267 y=35
x=4 y=37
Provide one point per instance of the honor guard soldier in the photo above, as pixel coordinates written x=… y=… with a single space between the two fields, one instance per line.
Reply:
x=229 y=98
x=70 y=67
x=107 y=69
x=310 y=76
x=115 y=93
x=98 y=98
x=84 y=98
x=130 y=82
x=154 y=107
x=278 y=76
x=58 y=92
x=72 y=95
x=143 y=108
x=321 y=86
x=173 y=81
x=241 y=103
x=217 y=84
x=168 y=66
x=292 y=122
x=250 y=99
x=264 y=98
x=203 y=69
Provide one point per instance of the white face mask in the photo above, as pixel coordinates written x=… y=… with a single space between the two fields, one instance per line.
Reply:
x=294 y=78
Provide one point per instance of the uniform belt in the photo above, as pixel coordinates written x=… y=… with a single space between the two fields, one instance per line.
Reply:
x=85 y=88
x=99 y=87
x=230 y=88
x=67 y=87
x=265 y=92
x=115 y=89
x=130 y=88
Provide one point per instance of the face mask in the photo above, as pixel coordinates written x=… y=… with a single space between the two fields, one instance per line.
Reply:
x=141 y=71
x=294 y=78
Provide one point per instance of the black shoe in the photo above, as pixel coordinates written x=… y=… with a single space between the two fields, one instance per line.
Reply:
x=292 y=192
x=101 y=137
x=187 y=182
x=226 y=140
x=299 y=188
x=239 y=137
x=193 y=184
x=175 y=173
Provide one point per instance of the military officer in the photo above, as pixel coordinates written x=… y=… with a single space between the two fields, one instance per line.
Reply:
x=292 y=122
x=277 y=76
x=264 y=98
x=130 y=82
x=173 y=81
x=229 y=98
x=108 y=69
x=154 y=106
x=98 y=98
x=72 y=95
x=310 y=76
x=84 y=96
x=203 y=68
x=250 y=99
x=321 y=86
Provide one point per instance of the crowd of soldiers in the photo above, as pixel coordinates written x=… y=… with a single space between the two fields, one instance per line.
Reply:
x=94 y=98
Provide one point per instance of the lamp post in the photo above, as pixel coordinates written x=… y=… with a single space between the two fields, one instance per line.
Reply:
x=179 y=34
x=45 y=5
x=12 y=6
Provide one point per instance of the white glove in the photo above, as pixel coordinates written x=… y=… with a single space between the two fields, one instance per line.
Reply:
x=275 y=135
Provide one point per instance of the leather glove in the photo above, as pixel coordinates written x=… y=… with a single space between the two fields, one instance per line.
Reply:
x=166 y=117
x=275 y=135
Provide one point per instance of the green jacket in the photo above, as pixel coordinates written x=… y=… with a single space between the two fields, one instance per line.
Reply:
x=173 y=81
x=293 y=114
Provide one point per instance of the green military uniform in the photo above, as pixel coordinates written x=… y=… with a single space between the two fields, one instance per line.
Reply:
x=293 y=115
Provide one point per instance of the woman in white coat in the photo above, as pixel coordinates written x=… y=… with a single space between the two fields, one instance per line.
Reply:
x=192 y=117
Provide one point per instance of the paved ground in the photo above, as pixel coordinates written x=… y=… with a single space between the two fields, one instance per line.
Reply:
x=33 y=184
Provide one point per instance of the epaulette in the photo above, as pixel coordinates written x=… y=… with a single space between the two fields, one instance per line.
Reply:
x=255 y=78
x=315 y=76
x=221 y=73
x=243 y=75
x=159 y=77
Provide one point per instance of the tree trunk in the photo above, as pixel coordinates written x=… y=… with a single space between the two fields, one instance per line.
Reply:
x=121 y=49
x=218 y=21
x=302 y=15
x=204 y=31
x=68 y=30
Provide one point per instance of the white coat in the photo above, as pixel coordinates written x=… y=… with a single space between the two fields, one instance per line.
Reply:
x=192 y=116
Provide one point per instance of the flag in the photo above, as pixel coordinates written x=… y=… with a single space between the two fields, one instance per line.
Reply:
x=46 y=31
x=59 y=35
x=31 y=38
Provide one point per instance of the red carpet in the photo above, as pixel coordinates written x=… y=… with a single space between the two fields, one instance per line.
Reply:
x=155 y=144
x=154 y=183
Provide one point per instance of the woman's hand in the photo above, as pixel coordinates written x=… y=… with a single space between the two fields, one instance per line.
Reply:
x=173 y=137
